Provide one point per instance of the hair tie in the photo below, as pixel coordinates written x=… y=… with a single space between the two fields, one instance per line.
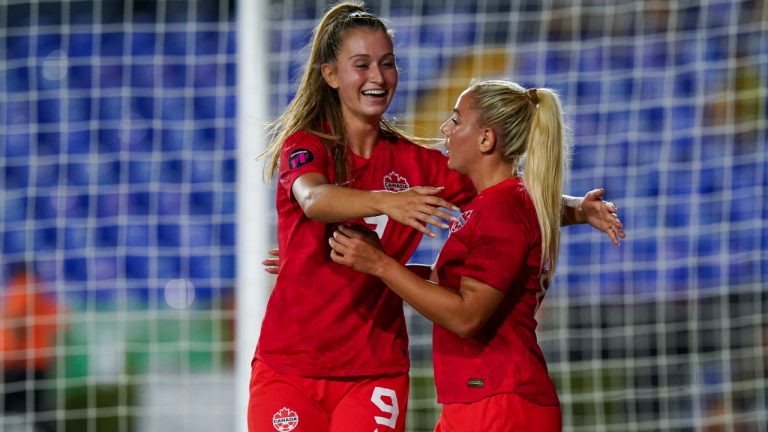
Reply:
x=359 y=14
x=532 y=95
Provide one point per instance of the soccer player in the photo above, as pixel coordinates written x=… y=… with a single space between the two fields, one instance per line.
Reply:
x=333 y=350
x=494 y=270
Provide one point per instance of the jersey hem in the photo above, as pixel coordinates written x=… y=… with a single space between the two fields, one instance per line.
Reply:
x=337 y=372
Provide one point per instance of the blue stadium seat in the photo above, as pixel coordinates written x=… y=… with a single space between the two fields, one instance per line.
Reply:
x=168 y=267
x=108 y=236
x=138 y=203
x=136 y=267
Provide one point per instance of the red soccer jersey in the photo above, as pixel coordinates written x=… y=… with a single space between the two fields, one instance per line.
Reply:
x=497 y=241
x=324 y=319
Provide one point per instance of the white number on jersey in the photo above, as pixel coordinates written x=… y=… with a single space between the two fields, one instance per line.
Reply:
x=380 y=222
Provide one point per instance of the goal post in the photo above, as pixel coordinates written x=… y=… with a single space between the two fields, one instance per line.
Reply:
x=254 y=208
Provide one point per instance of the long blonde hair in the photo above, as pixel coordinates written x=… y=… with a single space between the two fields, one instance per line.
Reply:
x=316 y=107
x=531 y=134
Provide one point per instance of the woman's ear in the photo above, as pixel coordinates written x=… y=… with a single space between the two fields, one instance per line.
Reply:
x=329 y=74
x=487 y=140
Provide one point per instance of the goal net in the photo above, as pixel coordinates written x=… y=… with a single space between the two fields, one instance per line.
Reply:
x=119 y=170
x=117 y=156
x=667 y=102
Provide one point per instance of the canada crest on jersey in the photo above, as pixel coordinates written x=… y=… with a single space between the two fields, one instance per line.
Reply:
x=462 y=220
x=394 y=182
x=285 y=420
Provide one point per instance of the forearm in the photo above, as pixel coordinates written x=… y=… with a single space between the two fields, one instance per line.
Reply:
x=330 y=203
x=441 y=305
x=572 y=213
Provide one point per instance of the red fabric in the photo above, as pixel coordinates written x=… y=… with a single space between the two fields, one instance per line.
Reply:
x=324 y=319
x=500 y=413
x=304 y=404
x=497 y=242
x=28 y=324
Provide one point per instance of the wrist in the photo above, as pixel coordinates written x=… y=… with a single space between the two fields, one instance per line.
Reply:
x=578 y=213
x=382 y=269
x=573 y=212
x=376 y=201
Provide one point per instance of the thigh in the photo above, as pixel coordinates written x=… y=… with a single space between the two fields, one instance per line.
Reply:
x=374 y=404
x=500 y=413
x=281 y=403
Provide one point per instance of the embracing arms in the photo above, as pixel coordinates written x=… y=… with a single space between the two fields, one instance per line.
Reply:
x=463 y=311
x=414 y=207
x=420 y=206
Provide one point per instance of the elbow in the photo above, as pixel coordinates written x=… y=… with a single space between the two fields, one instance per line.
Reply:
x=466 y=329
x=312 y=209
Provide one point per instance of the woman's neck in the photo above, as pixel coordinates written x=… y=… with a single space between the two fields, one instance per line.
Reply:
x=490 y=174
x=361 y=136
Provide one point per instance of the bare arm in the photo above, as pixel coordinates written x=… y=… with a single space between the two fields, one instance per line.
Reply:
x=593 y=210
x=325 y=202
x=463 y=311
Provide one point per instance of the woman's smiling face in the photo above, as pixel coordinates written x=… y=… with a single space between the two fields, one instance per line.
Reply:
x=462 y=134
x=365 y=74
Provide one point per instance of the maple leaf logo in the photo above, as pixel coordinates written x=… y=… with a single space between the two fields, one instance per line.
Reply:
x=394 y=182
x=285 y=420
x=463 y=219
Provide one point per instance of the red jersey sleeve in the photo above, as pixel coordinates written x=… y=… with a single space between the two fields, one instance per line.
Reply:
x=499 y=231
x=303 y=152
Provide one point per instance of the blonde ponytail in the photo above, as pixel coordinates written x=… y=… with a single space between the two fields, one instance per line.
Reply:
x=531 y=133
x=546 y=161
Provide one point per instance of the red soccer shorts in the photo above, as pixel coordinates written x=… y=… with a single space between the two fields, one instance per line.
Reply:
x=286 y=403
x=504 y=412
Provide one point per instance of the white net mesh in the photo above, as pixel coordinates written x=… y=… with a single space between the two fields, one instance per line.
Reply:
x=118 y=193
x=668 y=105
x=118 y=190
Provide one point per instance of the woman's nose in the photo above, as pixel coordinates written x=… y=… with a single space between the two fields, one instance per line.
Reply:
x=444 y=128
x=375 y=75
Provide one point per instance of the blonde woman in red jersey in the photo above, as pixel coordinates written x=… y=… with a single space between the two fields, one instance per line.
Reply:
x=333 y=349
x=496 y=265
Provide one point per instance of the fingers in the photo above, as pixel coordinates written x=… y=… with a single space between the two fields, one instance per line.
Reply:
x=615 y=229
x=272 y=265
x=272 y=270
x=615 y=232
x=428 y=193
x=595 y=194
x=433 y=215
x=419 y=207
x=336 y=248
x=340 y=240
x=415 y=224
x=612 y=235
x=615 y=235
